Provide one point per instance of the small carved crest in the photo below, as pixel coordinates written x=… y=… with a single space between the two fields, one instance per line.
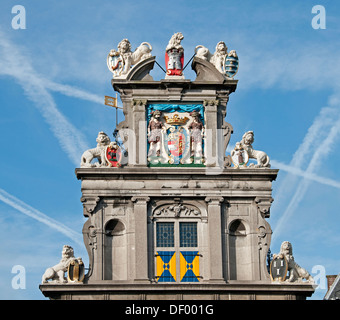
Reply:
x=115 y=63
x=113 y=155
x=230 y=66
x=239 y=156
x=76 y=271
x=279 y=268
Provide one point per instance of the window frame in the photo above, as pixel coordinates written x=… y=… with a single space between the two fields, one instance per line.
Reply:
x=177 y=248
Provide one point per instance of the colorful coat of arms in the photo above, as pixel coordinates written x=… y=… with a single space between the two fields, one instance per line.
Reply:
x=113 y=155
x=230 y=67
x=175 y=138
x=239 y=156
x=115 y=63
x=174 y=61
x=176 y=143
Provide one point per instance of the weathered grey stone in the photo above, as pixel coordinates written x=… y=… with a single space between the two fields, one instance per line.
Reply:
x=229 y=207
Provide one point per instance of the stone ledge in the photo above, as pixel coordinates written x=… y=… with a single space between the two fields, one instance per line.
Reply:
x=181 y=172
x=238 y=290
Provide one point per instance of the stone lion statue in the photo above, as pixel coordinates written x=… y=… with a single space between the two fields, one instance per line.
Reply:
x=296 y=273
x=218 y=58
x=129 y=58
x=57 y=272
x=260 y=156
x=175 y=42
x=103 y=141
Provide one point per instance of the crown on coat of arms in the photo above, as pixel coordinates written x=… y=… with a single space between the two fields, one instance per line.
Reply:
x=176 y=119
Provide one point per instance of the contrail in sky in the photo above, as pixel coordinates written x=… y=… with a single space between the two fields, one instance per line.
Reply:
x=294 y=169
x=39 y=216
x=71 y=140
x=13 y=63
x=323 y=149
x=71 y=91
x=312 y=139
x=305 y=174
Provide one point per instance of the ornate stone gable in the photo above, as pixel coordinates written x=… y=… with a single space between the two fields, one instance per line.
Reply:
x=170 y=214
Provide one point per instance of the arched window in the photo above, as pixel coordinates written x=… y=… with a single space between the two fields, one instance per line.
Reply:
x=177 y=228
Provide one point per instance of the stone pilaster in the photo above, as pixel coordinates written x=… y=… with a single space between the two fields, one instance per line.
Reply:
x=215 y=238
x=211 y=143
x=141 y=241
x=138 y=156
x=264 y=234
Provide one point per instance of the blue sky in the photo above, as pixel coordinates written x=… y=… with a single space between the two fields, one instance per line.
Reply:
x=53 y=79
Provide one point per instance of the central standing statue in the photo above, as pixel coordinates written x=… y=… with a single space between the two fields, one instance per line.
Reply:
x=174 y=56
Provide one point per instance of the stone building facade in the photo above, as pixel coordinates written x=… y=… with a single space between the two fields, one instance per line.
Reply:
x=176 y=219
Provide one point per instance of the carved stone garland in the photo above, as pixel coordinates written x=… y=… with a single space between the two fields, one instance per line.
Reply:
x=176 y=210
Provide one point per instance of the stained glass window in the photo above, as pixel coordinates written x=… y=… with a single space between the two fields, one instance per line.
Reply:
x=165 y=234
x=188 y=234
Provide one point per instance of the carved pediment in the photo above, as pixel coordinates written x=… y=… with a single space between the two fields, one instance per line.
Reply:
x=176 y=210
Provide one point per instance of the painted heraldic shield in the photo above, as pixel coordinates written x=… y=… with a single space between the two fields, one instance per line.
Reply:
x=174 y=61
x=115 y=64
x=113 y=156
x=279 y=268
x=76 y=271
x=230 y=65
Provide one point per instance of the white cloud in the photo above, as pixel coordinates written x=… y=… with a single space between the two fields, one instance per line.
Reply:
x=306 y=65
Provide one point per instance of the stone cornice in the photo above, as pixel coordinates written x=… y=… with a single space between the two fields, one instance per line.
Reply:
x=226 y=87
x=181 y=173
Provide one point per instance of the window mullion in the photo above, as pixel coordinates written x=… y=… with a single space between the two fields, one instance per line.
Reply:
x=177 y=250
